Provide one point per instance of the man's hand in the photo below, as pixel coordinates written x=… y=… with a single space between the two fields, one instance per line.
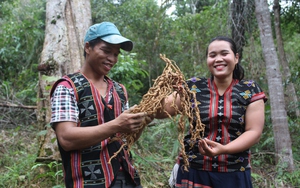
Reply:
x=130 y=122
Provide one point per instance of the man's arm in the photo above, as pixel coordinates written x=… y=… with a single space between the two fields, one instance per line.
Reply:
x=72 y=137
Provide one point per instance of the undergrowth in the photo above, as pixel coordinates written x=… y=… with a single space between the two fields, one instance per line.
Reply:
x=154 y=156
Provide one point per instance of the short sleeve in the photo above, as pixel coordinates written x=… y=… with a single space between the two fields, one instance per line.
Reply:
x=254 y=90
x=63 y=104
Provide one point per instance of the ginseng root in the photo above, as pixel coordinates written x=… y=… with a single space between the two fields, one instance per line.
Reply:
x=171 y=81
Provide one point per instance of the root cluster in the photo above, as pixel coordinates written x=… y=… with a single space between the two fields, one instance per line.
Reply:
x=170 y=82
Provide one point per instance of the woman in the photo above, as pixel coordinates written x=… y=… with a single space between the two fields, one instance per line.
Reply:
x=232 y=110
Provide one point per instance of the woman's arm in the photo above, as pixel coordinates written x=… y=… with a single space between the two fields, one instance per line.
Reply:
x=169 y=106
x=255 y=119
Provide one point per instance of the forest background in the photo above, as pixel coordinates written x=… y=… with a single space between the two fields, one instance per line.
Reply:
x=180 y=29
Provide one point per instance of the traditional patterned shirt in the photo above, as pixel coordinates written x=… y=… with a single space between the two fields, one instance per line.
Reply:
x=223 y=116
x=64 y=105
x=76 y=99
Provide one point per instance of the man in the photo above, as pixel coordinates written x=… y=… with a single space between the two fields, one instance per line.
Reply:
x=89 y=109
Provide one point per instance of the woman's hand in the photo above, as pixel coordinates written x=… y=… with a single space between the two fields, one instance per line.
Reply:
x=210 y=148
x=177 y=81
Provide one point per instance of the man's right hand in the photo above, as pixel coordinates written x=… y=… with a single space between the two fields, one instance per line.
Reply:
x=131 y=122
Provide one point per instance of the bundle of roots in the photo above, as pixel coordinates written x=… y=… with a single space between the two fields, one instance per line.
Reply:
x=170 y=82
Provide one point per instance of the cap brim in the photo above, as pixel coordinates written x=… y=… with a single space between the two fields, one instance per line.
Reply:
x=126 y=44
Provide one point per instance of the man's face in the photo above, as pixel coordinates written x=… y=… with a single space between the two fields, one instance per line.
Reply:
x=102 y=57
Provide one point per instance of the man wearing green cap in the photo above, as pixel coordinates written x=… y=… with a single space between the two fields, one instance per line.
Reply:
x=89 y=109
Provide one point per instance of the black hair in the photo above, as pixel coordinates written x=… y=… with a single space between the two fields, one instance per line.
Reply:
x=92 y=43
x=238 y=72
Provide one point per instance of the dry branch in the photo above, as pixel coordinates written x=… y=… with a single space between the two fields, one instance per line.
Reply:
x=11 y=105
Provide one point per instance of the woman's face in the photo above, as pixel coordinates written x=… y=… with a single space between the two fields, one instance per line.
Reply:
x=221 y=60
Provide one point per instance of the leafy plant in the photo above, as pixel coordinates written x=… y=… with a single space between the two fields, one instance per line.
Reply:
x=155 y=153
x=22 y=35
x=18 y=155
x=53 y=171
x=130 y=72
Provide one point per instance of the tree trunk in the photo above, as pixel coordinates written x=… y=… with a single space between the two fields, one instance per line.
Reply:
x=290 y=93
x=66 y=24
x=283 y=146
x=238 y=24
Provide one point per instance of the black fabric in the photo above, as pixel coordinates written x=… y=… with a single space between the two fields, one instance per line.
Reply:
x=124 y=181
x=91 y=167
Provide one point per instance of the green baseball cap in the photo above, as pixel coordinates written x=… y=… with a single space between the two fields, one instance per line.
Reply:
x=109 y=33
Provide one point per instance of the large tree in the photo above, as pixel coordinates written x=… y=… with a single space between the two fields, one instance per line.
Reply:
x=66 y=24
x=291 y=96
x=283 y=147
